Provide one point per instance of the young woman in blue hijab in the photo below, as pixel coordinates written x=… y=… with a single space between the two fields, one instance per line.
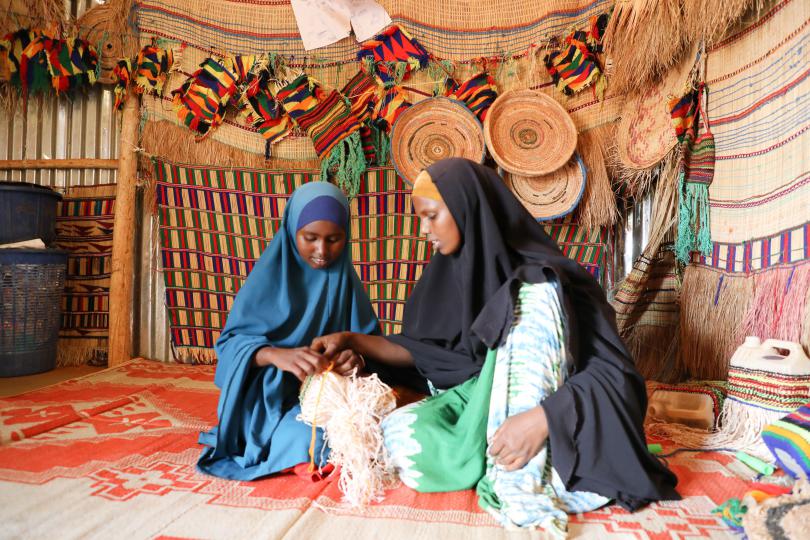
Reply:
x=302 y=287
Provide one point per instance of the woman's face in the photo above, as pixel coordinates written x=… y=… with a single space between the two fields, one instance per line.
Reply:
x=437 y=224
x=320 y=243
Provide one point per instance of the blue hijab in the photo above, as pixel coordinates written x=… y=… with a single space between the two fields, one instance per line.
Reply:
x=284 y=302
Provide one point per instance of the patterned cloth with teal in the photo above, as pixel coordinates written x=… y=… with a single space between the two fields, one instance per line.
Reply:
x=440 y=444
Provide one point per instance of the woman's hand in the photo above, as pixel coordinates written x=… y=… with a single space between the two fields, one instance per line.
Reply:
x=301 y=361
x=332 y=344
x=346 y=361
x=519 y=439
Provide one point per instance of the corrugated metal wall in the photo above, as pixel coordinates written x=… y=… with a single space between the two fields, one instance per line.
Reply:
x=87 y=127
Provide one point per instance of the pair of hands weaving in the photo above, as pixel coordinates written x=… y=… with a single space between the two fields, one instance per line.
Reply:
x=514 y=443
x=305 y=361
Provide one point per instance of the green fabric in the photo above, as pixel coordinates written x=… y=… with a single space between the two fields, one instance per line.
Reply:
x=453 y=455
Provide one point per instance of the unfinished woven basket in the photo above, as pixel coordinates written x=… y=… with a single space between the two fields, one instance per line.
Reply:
x=431 y=130
x=552 y=195
x=529 y=134
x=645 y=133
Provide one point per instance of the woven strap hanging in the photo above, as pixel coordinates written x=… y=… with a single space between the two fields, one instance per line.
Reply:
x=694 y=232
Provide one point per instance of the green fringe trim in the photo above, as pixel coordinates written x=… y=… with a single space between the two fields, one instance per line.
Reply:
x=382 y=145
x=693 y=211
x=349 y=163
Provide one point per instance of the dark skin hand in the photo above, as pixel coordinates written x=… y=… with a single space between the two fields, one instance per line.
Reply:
x=519 y=439
x=376 y=347
x=303 y=361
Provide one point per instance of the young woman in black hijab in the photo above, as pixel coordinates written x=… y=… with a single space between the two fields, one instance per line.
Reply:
x=497 y=289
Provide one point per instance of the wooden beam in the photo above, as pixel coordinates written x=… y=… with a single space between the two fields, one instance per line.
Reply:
x=58 y=164
x=123 y=249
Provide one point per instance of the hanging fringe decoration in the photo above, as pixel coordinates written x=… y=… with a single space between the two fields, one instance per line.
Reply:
x=334 y=131
x=392 y=104
x=259 y=108
x=201 y=101
x=26 y=66
x=779 y=304
x=576 y=67
x=364 y=94
x=642 y=40
x=392 y=55
x=713 y=304
x=72 y=64
x=170 y=141
x=350 y=410
x=122 y=74
x=697 y=171
x=153 y=65
x=477 y=93
x=598 y=206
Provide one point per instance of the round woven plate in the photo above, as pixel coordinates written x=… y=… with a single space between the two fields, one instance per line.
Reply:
x=528 y=133
x=552 y=195
x=645 y=134
x=434 y=129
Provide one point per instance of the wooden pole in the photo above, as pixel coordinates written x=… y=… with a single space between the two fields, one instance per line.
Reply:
x=123 y=248
x=59 y=164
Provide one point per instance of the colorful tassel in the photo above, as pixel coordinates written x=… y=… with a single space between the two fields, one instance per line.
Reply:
x=575 y=67
x=392 y=104
x=478 y=93
x=392 y=55
x=201 y=101
x=122 y=73
x=327 y=119
x=153 y=66
x=259 y=107
x=696 y=176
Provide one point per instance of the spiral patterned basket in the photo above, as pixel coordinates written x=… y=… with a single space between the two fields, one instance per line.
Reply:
x=529 y=134
x=432 y=130
x=552 y=195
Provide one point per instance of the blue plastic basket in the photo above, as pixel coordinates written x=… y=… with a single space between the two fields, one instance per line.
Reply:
x=27 y=211
x=31 y=286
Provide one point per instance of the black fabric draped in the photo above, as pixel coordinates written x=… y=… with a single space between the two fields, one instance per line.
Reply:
x=463 y=305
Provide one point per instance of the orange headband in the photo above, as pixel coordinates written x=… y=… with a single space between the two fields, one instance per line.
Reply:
x=424 y=187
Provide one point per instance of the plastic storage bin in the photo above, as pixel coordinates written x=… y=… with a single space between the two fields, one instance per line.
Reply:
x=27 y=211
x=31 y=286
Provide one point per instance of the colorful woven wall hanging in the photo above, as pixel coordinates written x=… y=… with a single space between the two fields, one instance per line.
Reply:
x=576 y=67
x=697 y=174
x=201 y=101
x=259 y=107
x=392 y=54
x=478 y=93
x=327 y=119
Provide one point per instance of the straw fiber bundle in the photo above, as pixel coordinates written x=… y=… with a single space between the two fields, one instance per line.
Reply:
x=598 y=205
x=350 y=410
x=169 y=141
x=644 y=38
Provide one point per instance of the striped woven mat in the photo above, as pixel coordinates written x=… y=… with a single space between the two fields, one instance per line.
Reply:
x=84 y=225
x=215 y=222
